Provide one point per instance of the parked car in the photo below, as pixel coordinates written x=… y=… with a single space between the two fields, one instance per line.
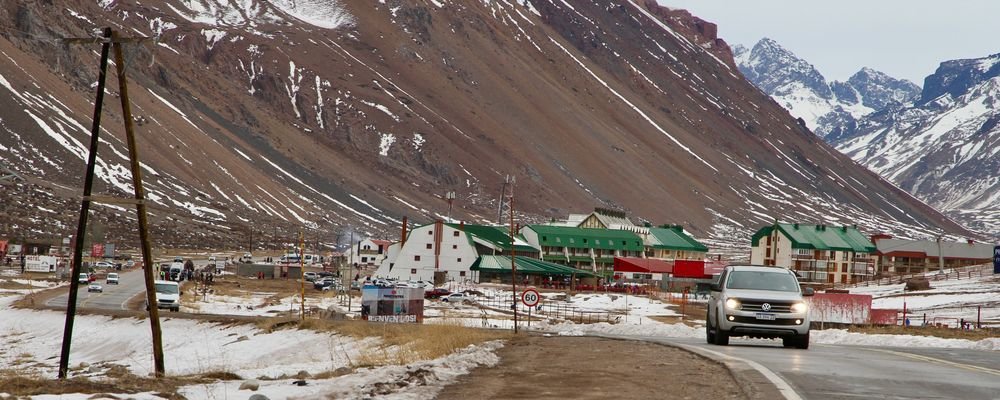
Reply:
x=95 y=287
x=456 y=298
x=84 y=278
x=103 y=265
x=310 y=276
x=323 y=284
x=436 y=293
x=112 y=279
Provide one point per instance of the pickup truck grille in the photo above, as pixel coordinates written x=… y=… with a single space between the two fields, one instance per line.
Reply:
x=758 y=306
x=162 y=301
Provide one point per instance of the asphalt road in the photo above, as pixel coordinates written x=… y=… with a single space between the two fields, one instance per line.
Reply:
x=114 y=297
x=858 y=372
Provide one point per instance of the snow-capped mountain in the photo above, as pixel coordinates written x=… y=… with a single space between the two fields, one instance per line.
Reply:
x=944 y=146
x=258 y=119
x=829 y=109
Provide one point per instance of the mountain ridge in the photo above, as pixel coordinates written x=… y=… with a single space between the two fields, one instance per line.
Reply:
x=272 y=122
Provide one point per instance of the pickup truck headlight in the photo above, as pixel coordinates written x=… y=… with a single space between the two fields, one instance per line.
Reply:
x=800 y=308
x=733 y=304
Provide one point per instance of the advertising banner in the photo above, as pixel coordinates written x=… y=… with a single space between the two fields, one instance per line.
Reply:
x=97 y=250
x=396 y=305
x=996 y=259
x=109 y=250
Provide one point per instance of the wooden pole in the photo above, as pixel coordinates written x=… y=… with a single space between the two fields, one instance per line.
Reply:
x=513 y=265
x=81 y=229
x=140 y=207
x=302 y=274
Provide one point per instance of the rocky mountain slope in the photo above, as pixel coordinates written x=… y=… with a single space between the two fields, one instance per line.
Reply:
x=943 y=146
x=257 y=119
x=830 y=109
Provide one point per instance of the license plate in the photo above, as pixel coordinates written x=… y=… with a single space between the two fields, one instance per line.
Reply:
x=768 y=317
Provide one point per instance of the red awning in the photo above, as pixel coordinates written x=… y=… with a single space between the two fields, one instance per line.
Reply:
x=643 y=265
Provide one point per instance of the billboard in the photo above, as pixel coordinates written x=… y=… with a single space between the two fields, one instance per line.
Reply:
x=996 y=259
x=388 y=304
x=97 y=250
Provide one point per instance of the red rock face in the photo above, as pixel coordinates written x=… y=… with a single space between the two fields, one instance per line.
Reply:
x=277 y=123
x=695 y=29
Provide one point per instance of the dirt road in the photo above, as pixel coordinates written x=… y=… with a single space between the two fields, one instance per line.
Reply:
x=560 y=367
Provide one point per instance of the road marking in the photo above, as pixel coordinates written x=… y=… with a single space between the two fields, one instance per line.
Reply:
x=969 y=367
x=783 y=387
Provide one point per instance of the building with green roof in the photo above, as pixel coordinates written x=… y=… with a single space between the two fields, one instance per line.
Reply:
x=670 y=242
x=821 y=253
x=583 y=248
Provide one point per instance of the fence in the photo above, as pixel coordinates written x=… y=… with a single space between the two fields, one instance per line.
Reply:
x=550 y=309
x=955 y=273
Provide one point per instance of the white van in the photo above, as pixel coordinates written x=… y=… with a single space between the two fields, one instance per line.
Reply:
x=168 y=295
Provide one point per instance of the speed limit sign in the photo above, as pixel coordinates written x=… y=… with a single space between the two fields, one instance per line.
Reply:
x=530 y=297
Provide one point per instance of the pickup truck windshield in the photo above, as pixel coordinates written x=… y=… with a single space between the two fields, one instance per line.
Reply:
x=166 y=289
x=756 y=280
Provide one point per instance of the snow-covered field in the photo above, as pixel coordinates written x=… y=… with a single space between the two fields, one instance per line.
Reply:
x=32 y=338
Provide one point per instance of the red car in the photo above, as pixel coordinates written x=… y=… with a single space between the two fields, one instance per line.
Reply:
x=436 y=293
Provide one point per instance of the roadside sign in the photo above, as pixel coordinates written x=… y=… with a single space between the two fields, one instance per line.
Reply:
x=97 y=250
x=530 y=297
x=996 y=259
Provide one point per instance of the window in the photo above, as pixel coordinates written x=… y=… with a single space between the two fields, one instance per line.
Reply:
x=413 y=271
x=460 y=260
x=455 y=234
x=624 y=243
x=844 y=257
x=544 y=238
x=364 y=259
x=461 y=273
x=454 y=246
x=585 y=240
x=416 y=258
x=430 y=232
x=429 y=246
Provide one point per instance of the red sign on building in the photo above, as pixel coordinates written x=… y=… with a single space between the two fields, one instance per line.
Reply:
x=97 y=250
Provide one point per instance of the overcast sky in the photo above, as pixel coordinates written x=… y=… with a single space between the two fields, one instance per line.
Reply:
x=905 y=39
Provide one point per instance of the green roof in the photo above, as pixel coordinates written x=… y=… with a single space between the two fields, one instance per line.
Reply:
x=819 y=237
x=587 y=238
x=525 y=265
x=674 y=238
x=499 y=236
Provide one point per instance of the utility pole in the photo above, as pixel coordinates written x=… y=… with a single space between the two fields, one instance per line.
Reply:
x=940 y=255
x=513 y=265
x=503 y=193
x=111 y=39
x=302 y=275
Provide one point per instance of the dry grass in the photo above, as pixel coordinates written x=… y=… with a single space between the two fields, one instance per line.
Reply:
x=399 y=343
x=947 y=333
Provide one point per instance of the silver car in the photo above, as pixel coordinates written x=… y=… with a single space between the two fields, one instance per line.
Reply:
x=758 y=302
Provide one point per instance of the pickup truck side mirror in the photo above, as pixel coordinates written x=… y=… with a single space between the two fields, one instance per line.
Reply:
x=714 y=287
x=808 y=291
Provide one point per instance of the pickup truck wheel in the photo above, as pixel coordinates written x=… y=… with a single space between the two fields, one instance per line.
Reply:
x=803 y=342
x=175 y=309
x=721 y=336
x=709 y=335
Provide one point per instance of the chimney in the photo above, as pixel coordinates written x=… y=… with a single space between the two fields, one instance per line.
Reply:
x=461 y=226
x=402 y=237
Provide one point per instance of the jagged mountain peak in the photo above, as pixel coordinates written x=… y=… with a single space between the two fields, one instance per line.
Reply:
x=775 y=69
x=955 y=77
x=830 y=109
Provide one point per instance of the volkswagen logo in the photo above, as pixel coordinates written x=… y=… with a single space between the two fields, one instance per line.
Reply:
x=765 y=307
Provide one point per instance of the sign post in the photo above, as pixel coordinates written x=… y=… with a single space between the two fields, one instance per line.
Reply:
x=530 y=299
x=996 y=259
